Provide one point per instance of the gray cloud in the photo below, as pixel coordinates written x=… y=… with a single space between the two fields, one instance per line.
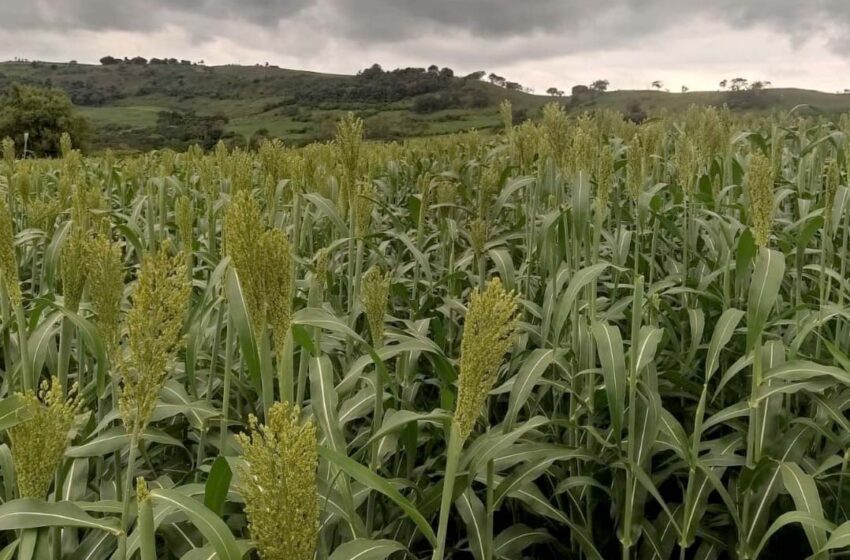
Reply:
x=466 y=34
x=380 y=21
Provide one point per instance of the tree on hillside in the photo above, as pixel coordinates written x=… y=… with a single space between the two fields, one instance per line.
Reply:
x=554 y=92
x=600 y=85
x=657 y=84
x=109 y=60
x=723 y=84
x=476 y=75
x=580 y=90
x=42 y=113
x=685 y=89
x=496 y=79
x=738 y=84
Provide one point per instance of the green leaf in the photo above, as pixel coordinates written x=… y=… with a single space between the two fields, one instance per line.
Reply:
x=244 y=332
x=218 y=485
x=211 y=526
x=723 y=332
x=13 y=411
x=324 y=402
x=764 y=288
x=366 y=549
x=609 y=345
x=533 y=368
x=369 y=478
x=804 y=492
x=27 y=513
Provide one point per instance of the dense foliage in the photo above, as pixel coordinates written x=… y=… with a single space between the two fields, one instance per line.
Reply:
x=42 y=114
x=579 y=339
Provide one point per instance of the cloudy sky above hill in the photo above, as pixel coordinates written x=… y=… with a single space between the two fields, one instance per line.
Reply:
x=539 y=43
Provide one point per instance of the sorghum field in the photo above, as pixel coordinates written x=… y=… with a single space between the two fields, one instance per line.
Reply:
x=583 y=338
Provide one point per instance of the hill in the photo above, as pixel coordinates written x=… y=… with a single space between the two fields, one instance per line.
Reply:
x=149 y=105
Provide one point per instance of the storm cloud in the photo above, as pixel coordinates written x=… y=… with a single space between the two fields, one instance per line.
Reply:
x=637 y=38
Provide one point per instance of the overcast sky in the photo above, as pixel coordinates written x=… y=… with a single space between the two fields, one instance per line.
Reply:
x=539 y=43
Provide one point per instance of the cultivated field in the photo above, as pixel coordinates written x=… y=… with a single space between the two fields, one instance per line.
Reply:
x=581 y=338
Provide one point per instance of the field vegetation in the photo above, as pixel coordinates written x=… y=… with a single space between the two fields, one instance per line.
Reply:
x=580 y=338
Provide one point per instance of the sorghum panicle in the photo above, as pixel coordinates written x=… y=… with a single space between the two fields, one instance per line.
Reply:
x=74 y=266
x=490 y=325
x=39 y=442
x=760 y=192
x=154 y=328
x=278 y=483
x=8 y=257
x=375 y=294
x=106 y=289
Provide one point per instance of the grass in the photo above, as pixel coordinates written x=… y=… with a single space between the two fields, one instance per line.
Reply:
x=118 y=96
x=131 y=116
x=581 y=339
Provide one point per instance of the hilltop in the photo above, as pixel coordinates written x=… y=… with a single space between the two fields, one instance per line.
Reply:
x=142 y=106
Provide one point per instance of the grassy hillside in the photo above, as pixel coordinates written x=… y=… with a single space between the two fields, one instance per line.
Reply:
x=125 y=102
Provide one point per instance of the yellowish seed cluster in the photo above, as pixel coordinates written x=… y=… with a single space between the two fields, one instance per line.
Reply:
x=278 y=483
x=275 y=270
x=263 y=260
x=487 y=335
x=375 y=293
x=635 y=168
x=184 y=216
x=242 y=229
x=74 y=267
x=8 y=257
x=39 y=442
x=349 y=138
x=604 y=178
x=478 y=235
x=142 y=492
x=154 y=327
x=760 y=191
x=106 y=289
x=363 y=204
x=687 y=164
x=556 y=133
x=506 y=111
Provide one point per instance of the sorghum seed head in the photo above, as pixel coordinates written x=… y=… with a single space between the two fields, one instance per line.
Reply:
x=39 y=442
x=275 y=270
x=8 y=257
x=760 y=192
x=375 y=294
x=278 y=483
x=154 y=327
x=74 y=266
x=362 y=209
x=106 y=289
x=478 y=235
x=490 y=324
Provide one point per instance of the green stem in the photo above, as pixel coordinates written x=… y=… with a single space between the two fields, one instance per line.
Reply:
x=65 y=353
x=29 y=380
x=455 y=446
x=127 y=495
x=225 y=399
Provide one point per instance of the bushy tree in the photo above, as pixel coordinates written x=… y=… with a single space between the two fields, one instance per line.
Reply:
x=42 y=113
x=110 y=60
x=600 y=85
